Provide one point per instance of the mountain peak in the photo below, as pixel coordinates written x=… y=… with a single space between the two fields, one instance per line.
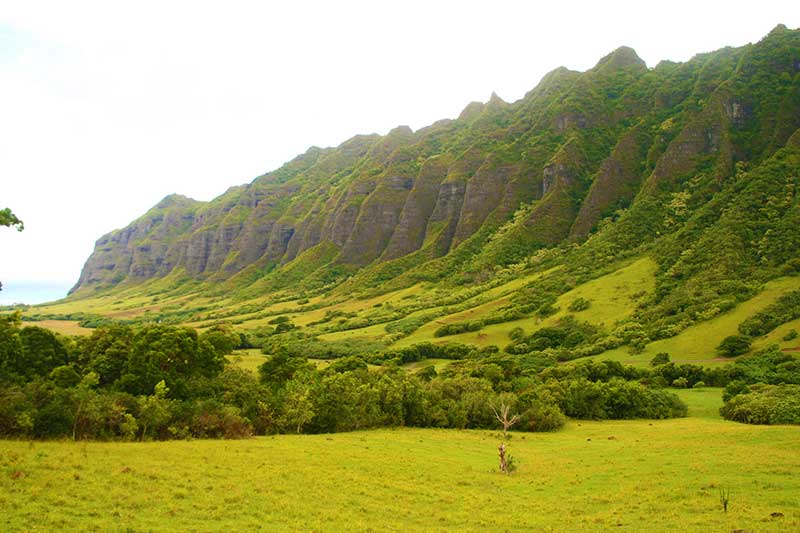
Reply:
x=495 y=100
x=472 y=110
x=780 y=28
x=401 y=131
x=173 y=199
x=621 y=58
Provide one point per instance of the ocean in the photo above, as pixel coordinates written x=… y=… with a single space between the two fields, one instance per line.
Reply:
x=33 y=292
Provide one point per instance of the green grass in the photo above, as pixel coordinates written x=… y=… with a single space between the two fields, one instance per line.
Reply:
x=247 y=359
x=637 y=475
x=703 y=402
x=698 y=343
x=612 y=298
x=65 y=327
x=376 y=331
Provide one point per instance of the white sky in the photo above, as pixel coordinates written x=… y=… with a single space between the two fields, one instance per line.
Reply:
x=106 y=107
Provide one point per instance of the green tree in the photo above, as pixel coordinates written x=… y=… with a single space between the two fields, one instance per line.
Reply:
x=281 y=367
x=222 y=338
x=297 y=406
x=42 y=351
x=154 y=410
x=85 y=399
x=106 y=351
x=10 y=345
x=734 y=345
x=9 y=219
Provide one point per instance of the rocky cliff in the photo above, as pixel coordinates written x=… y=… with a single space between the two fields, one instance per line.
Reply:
x=501 y=181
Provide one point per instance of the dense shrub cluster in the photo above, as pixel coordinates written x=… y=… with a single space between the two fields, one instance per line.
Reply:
x=568 y=339
x=785 y=309
x=424 y=350
x=764 y=404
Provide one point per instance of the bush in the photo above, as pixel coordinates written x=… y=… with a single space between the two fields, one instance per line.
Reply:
x=616 y=399
x=733 y=388
x=770 y=365
x=579 y=304
x=734 y=345
x=660 y=359
x=680 y=383
x=458 y=327
x=765 y=404
x=791 y=335
x=542 y=417
x=785 y=309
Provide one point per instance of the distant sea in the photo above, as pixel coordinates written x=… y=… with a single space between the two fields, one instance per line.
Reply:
x=33 y=292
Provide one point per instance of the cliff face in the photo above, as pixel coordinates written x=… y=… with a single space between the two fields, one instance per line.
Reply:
x=575 y=150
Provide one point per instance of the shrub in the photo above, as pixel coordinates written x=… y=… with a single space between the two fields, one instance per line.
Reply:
x=765 y=404
x=680 y=383
x=785 y=309
x=458 y=327
x=733 y=388
x=734 y=345
x=660 y=359
x=542 y=417
x=791 y=335
x=579 y=304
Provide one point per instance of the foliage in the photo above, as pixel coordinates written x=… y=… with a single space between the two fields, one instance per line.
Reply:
x=162 y=382
x=9 y=219
x=765 y=404
x=660 y=359
x=734 y=345
x=787 y=308
x=579 y=304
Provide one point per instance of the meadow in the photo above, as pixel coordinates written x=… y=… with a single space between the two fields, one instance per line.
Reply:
x=634 y=475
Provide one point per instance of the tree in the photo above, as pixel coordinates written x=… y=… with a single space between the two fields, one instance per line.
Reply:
x=281 y=367
x=222 y=338
x=85 y=400
x=10 y=345
x=42 y=351
x=9 y=219
x=661 y=358
x=501 y=413
x=154 y=410
x=297 y=406
x=734 y=345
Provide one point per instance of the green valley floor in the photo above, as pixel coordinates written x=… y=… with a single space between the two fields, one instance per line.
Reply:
x=636 y=475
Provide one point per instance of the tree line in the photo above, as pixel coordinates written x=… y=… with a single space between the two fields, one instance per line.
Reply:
x=163 y=382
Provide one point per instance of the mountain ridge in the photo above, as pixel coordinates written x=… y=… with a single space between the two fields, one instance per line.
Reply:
x=585 y=170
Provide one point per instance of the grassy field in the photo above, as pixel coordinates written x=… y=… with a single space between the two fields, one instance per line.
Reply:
x=612 y=298
x=697 y=343
x=65 y=327
x=247 y=359
x=634 y=475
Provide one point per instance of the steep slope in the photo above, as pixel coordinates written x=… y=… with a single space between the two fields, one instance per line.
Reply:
x=694 y=165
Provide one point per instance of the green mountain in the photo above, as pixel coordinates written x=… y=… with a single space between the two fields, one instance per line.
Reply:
x=681 y=179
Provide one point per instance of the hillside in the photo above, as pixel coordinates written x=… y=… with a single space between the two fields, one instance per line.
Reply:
x=659 y=199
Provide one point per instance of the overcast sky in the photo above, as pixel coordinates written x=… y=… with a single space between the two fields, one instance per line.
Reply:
x=107 y=107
